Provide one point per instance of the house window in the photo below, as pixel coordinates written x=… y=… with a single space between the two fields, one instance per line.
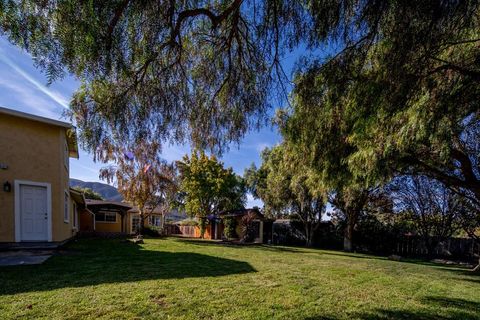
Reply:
x=135 y=224
x=66 y=156
x=66 y=213
x=155 y=221
x=105 y=216
x=75 y=216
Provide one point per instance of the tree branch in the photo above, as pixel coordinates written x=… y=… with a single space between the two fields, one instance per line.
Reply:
x=111 y=26
x=215 y=19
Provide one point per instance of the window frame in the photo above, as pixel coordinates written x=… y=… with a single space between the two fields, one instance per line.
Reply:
x=105 y=213
x=132 y=224
x=153 y=218
x=75 y=216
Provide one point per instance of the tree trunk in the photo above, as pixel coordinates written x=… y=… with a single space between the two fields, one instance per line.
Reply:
x=308 y=235
x=348 y=238
x=142 y=222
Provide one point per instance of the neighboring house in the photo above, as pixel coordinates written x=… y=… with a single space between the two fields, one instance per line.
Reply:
x=111 y=217
x=36 y=202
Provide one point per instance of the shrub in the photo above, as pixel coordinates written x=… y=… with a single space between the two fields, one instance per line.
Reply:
x=189 y=222
x=153 y=231
x=230 y=225
x=248 y=227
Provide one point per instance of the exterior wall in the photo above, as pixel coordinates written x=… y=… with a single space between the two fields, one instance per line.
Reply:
x=33 y=151
x=128 y=223
x=109 y=226
x=86 y=220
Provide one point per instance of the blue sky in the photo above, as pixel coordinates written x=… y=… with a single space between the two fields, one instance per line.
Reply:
x=23 y=87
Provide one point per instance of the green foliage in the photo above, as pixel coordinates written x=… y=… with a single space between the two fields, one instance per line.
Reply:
x=208 y=187
x=153 y=231
x=230 y=226
x=89 y=193
x=189 y=222
x=403 y=97
x=158 y=70
x=286 y=186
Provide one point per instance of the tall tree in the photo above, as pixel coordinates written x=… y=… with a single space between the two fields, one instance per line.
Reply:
x=208 y=187
x=403 y=94
x=142 y=177
x=320 y=137
x=286 y=187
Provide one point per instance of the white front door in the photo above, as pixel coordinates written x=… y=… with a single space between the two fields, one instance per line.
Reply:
x=33 y=213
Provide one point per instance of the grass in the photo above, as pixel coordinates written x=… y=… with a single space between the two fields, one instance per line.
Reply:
x=189 y=279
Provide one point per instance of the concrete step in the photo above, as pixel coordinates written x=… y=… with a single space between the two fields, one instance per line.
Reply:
x=16 y=246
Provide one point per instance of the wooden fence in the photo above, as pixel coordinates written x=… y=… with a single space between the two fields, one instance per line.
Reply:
x=182 y=231
x=454 y=247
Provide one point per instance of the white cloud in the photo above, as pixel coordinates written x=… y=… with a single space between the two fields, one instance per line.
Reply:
x=27 y=98
x=55 y=96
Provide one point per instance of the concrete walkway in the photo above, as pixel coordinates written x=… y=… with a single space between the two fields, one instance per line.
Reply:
x=18 y=258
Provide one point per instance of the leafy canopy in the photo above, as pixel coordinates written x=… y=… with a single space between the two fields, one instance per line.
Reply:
x=287 y=187
x=162 y=70
x=208 y=187
x=403 y=97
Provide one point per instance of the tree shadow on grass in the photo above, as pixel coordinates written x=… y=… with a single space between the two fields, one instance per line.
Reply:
x=97 y=262
x=440 y=308
x=459 y=269
x=204 y=242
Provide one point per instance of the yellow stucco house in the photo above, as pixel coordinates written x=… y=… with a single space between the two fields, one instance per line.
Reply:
x=36 y=203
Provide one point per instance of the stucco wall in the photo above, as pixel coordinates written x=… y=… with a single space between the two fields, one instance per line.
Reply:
x=33 y=151
x=101 y=226
x=86 y=220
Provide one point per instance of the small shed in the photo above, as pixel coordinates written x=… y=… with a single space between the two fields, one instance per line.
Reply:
x=239 y=216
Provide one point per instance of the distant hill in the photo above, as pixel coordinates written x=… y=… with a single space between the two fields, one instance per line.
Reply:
x=107 y=191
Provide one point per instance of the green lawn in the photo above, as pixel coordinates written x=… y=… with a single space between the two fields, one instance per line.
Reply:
x=188 y=279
